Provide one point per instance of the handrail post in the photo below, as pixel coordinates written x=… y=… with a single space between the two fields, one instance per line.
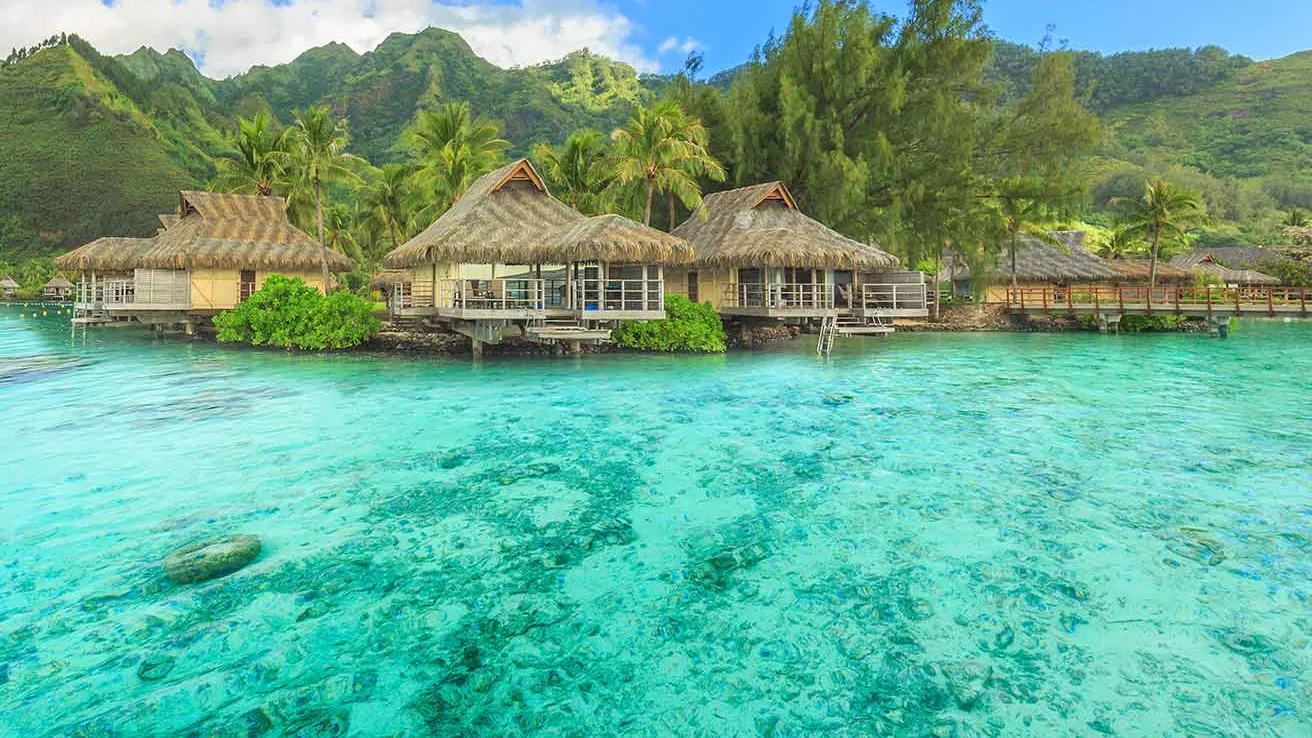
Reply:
x=1021 y=290
x=1149 y=303
x=1120 y=298
x=1097 y=305
x=1070 y=300
x=1045 y=299
x=1238 y=310
x=1209 y=302
x=1177 y=299
x=1270 y=307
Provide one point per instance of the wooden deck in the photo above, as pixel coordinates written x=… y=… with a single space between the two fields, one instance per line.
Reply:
x=1194 y=302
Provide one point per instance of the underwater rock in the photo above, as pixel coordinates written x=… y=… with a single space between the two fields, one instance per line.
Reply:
x=966 y=682
x=155 y=667
x=211 y=559
x=255 y=723
x=1194 y=544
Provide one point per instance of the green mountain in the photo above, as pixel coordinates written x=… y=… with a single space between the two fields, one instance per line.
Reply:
x=103 y=143
x=96 y=145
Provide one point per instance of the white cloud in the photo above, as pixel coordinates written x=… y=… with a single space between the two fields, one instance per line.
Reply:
x=686 y=46
x=227 y=37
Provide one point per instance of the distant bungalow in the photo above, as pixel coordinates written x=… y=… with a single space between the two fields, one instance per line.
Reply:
x=759 y=258
x=210 y=256
x=1037 y=265
x=58 y=288
x=1217 y=263
x=8 y=287
x=606 y=268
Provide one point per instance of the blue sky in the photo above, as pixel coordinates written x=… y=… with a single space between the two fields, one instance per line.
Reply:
x=226 y=37
x=1262 y=29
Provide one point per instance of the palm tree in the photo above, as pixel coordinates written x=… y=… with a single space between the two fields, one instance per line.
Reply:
x=1164 y=210
x=452 y=149
x=317 y=153
x=1021 y=217
x=1295 y=218
x=665 y=150
x=258 y=164
x=1123 y=241
x=578 y=171
x=390 y=200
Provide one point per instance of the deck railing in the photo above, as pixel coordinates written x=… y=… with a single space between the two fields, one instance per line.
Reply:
x=894 y=297
x=620 y=295
x=493 y=294
x=1160 y=299
x=149 y=287
x=407 y=295
x=779 y=296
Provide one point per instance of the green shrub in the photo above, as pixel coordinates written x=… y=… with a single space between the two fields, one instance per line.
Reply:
x=1151 y=323
x=291 y=314
x=687 y=328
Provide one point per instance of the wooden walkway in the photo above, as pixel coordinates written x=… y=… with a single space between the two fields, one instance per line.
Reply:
x=1195 y=302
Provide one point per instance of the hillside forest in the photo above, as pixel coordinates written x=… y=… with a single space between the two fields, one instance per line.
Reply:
x=920 y=132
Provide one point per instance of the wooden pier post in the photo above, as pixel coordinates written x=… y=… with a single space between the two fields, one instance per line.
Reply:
x=1270 y=307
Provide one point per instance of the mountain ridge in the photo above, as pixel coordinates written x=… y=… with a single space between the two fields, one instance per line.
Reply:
x=160 y=110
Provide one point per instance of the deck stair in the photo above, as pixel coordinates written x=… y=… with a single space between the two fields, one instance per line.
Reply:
x=833 y=326
x=564 y=329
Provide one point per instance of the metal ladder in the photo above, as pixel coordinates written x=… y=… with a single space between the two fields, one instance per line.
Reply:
x=828 y=331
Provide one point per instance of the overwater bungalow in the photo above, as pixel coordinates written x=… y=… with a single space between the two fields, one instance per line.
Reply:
x=759 y=258
x=58 y=288
x=509 y=259
x=1037 y=265
x=8 y=287
x=216 y=253
x=1209 y=265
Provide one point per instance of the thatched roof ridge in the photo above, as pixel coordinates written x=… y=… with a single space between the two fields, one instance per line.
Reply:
x=9 y=283
x=227 y=206
x=59 y=281
x=215 y=231
x=761 y=226
x=502 y=219
x=1037 y=261
x=612 y=239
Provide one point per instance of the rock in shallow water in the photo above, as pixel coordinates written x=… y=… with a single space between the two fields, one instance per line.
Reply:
x=211 y=559
x=155 y=667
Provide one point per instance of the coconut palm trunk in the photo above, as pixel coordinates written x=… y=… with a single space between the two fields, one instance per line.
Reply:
x=318 y=217
x=1015 y=283
x=651 y=195
x=1152 y=260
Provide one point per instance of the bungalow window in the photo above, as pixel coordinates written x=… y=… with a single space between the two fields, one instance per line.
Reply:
x=692 y=286
x=247 y=284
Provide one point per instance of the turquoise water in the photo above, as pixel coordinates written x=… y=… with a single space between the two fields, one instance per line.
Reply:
x=960 y=535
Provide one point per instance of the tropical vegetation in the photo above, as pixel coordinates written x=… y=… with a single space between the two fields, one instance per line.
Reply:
x=921 y=132
x=688 y=327
x=288 y=313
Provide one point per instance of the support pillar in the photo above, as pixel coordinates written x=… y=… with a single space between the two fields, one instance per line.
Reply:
x=477 y=347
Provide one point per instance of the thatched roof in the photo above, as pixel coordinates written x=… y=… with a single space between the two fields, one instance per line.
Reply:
x=761 y=226
x=168 y=220
x=1040 y=262
x=502 y=219
x=1204 y=261
x=59 y=282
x=103 y=251
x=1237 y=257
x=1136 y=270
x=214 y=230
x=612 y=239
x=8 y=283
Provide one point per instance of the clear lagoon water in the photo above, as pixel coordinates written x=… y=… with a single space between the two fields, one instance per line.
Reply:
x=935 y=535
